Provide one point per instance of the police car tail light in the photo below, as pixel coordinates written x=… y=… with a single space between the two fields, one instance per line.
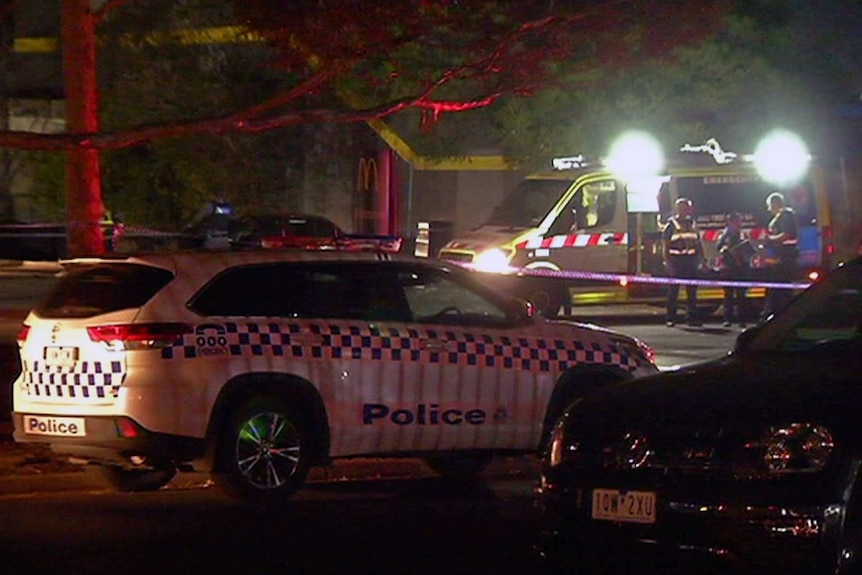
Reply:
x=795 y=448
x=136 y=336
x=23 y=333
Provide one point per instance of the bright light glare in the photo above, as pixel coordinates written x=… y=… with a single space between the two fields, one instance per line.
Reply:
x=635 y=155
x=782 y=158
x=493 y=260
x=813 y=276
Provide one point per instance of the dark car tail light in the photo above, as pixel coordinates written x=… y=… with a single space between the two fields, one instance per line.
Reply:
x=23 y=333
x=136 y=336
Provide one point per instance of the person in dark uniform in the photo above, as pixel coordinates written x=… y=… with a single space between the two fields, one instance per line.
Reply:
x=782 y=237
x=683 y=254
x=735 y=251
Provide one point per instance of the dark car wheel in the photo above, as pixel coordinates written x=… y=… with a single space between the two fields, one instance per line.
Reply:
x=460 y=466
x=132 y=480
x=263 y=453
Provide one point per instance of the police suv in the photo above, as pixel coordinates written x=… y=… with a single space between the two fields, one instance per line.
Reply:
x=257 y=365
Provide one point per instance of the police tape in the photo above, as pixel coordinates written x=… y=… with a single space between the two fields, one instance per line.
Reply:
x=625 y=279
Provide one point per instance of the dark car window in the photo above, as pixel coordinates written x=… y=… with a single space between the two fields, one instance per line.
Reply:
x=302 y=290
x=309 y=227
x=103 y=288
x=435 y=296
x=828 y=313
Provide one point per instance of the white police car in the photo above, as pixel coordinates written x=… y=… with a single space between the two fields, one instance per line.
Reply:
x=258 y=365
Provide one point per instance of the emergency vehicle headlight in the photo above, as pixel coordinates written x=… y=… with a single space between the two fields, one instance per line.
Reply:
x=782 y=158
x=493 y=260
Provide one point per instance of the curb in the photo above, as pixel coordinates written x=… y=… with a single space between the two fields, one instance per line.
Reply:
x=90 y=479
x=86 y=480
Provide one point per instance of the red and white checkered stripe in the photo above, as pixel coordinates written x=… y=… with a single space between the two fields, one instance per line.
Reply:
x=576 y=241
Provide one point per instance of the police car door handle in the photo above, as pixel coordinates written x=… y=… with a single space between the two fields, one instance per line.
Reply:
x=433 y=344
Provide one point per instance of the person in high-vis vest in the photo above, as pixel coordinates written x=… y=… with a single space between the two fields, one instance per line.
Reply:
x=782 y=235
x=683 y=254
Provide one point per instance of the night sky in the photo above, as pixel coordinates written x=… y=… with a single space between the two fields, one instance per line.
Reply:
x=837 y=23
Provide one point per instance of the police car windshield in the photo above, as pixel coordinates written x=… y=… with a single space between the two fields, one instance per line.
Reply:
x=528 y=203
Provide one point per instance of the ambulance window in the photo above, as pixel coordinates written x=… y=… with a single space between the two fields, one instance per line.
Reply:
x=600 y=202
x=593 y=205
x=717 y=195
x=435 y=298
x=526 y=205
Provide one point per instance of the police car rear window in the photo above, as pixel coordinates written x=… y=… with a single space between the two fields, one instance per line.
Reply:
x=103 y=288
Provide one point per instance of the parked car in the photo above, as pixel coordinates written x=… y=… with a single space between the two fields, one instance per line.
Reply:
x=258 y=364
x=305 y=232
x=752 y=460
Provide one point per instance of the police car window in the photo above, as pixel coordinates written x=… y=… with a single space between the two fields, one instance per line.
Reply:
x=353 y=291
x=246 y=291
x=101 y=289
x=302 y=290
x=433 y=297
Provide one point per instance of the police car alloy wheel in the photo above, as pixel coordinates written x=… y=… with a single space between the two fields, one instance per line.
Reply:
x=262 y=453
x=132 y=480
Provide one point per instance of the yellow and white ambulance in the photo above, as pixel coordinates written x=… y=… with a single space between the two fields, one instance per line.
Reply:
x=599 y=234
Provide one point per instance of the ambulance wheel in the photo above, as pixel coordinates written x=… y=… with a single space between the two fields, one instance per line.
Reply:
x=133 y=480
x=460 y=466
x=263 y=454
x=547 y=299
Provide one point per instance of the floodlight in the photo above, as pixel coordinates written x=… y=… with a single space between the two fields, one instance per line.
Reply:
x=635 y=155
x=782 y=158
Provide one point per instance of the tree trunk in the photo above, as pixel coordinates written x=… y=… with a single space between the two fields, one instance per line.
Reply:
x=84 y=207
x=7 y=27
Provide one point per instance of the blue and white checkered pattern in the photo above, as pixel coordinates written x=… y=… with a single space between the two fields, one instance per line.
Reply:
x=87 y=380
x=456 y=346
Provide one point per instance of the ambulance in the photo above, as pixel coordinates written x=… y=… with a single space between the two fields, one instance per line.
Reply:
x=583 y=234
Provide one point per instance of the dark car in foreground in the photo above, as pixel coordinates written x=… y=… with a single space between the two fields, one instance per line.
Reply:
x=748 y=461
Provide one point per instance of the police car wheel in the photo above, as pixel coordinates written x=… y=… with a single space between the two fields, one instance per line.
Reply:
x=461 y=465
x=133 y=480
x=263 y=453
